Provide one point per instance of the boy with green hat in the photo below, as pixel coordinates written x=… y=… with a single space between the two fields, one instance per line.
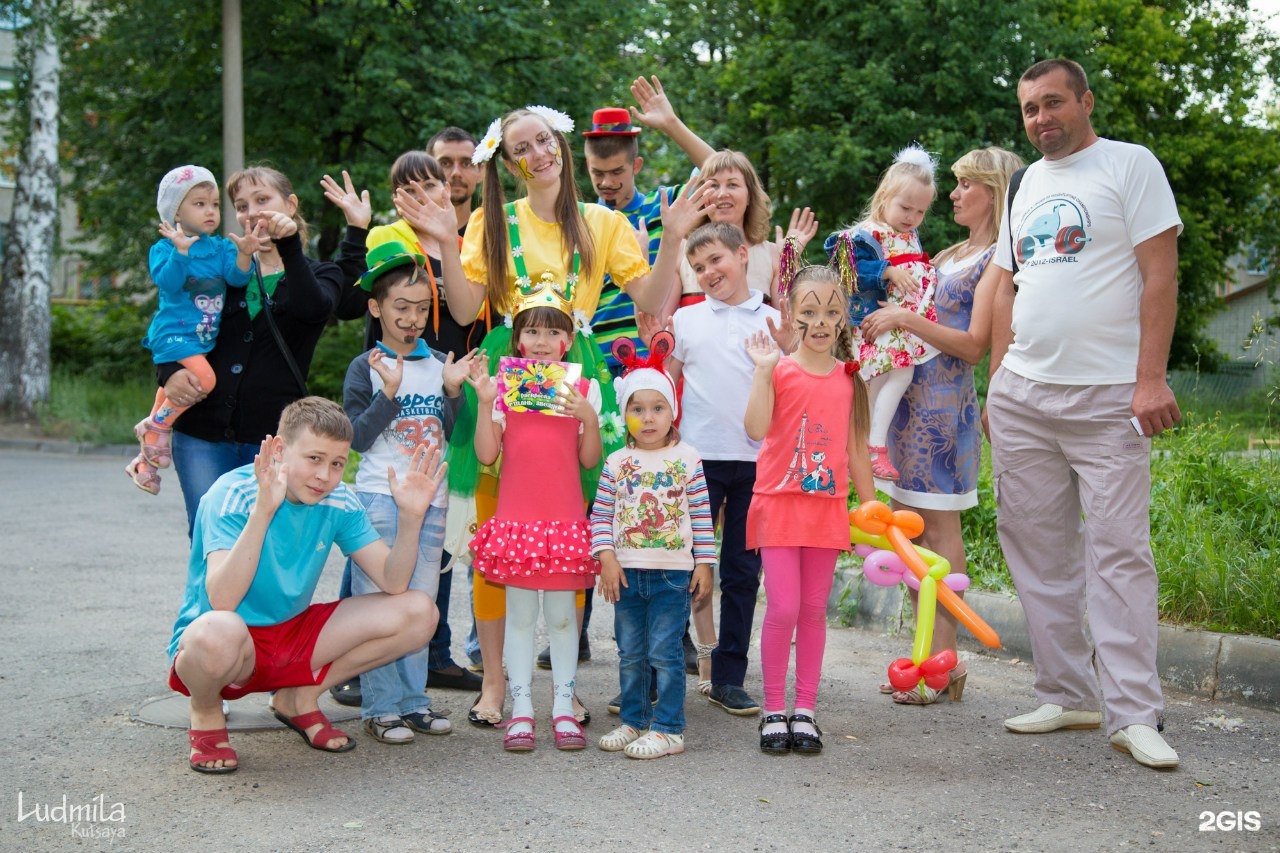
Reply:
x=399 y=394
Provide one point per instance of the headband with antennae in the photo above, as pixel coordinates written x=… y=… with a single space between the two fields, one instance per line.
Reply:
x=791 y=262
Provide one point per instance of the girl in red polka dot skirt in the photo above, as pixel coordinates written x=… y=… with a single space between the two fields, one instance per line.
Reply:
x=539 y=539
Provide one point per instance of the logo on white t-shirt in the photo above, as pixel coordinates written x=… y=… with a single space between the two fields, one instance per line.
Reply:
x=1053 y=230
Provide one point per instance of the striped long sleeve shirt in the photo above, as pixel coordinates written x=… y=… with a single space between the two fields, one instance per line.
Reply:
x=653 y=510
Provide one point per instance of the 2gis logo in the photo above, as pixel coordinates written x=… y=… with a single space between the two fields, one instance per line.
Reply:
x=1057 y=223
x=1230 y=821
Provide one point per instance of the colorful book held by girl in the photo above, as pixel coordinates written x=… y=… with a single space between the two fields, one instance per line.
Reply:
x=531 y=385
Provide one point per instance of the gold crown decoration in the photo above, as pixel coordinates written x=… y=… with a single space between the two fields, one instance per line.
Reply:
x=546 y=292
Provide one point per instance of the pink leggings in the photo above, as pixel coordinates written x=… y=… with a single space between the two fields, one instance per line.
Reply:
x=797 y=583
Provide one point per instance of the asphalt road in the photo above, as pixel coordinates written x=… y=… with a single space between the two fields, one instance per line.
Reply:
x=93 y=571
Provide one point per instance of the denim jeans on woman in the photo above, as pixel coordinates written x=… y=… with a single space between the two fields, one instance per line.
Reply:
x=200 y=463
x=396 y=687
x=649 y=621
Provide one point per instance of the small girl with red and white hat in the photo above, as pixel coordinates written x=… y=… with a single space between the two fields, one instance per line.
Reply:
x=651 y=529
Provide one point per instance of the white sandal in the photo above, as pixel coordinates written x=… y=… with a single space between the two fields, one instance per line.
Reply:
x=618 y=739
x=389 y=729
x=704 y=653
x=655 y=745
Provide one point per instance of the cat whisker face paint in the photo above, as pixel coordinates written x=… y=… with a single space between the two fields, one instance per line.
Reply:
x=819 y=315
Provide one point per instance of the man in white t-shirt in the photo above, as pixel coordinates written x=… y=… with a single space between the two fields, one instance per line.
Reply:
x=1078 y=389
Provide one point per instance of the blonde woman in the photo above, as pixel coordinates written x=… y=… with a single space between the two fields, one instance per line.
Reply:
x=935 y=439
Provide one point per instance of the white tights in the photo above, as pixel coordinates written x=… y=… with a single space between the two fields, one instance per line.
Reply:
x=884 y=393
x=562 y=630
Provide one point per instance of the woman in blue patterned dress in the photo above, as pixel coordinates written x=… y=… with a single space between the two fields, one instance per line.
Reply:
x=936 y=437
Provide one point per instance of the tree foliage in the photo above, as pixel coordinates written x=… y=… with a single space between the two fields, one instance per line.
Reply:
x=329 y=84
x=819 y=94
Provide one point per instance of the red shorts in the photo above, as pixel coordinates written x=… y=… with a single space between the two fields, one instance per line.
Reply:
x=282 y=655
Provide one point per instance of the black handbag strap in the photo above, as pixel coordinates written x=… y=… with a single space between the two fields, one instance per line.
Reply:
x=1014 y=183
x=267 y=305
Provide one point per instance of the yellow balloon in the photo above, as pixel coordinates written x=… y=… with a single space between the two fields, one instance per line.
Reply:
x=919 y=560
x=926 y=609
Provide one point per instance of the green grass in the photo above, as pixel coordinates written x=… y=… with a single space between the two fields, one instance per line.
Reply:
x=1215 y=531
x=1215 y=521
x=96 y=411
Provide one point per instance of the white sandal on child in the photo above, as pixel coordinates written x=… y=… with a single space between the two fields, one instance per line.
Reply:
x=618 y=739
x=655 y=745
x=704 y=652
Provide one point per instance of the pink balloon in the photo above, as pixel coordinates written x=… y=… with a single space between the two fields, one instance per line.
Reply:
x=883 y=568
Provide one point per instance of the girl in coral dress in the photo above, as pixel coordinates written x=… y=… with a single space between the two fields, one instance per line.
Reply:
x=810 y=410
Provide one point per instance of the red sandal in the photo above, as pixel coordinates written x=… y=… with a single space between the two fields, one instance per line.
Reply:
x=205 y=743
x=881 y=467
x=518 y=741
x=326 y=733
x=570 y=740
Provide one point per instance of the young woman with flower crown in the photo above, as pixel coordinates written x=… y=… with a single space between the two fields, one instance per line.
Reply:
x=548 y=232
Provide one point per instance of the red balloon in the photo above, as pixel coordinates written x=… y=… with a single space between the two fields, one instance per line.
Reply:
x=937 y=669
x=942 y=662
x=903 y=674
x=937 y=681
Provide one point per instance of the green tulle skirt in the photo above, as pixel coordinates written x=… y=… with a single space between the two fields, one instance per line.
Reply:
x=465 y=468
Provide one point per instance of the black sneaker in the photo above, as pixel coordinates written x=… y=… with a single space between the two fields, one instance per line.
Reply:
x=733 y=699
x=584 y=654
x=615 y=704
x=347 y=693
x=690 y=655
x=453 y=677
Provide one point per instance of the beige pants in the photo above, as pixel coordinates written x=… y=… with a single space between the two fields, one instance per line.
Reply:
x=1073 y=490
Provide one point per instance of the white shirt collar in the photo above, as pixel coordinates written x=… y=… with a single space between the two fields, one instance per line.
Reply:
x=752 y=303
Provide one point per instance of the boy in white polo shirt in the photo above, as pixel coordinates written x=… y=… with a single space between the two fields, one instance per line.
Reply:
x=717 y=372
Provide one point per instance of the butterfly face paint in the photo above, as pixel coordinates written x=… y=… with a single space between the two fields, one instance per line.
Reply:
x=523 y=166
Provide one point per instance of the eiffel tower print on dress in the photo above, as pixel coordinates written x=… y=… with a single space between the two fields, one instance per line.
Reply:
x=799 y=466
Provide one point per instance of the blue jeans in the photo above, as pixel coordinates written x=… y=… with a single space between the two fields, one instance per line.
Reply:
x=200 y=463
x=397 y=687
x=439 y=655
x=649 y=621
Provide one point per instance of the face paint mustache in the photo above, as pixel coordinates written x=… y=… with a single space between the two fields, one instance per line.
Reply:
x=411 y=332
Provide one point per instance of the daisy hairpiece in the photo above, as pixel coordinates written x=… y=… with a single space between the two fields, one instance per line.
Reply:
x=915 y=155
x=558 y=120
x=493 y=136
x=492 y=139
